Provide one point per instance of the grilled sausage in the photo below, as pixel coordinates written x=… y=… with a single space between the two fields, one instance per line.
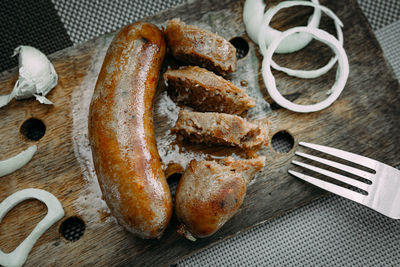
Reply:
x=200 y=47
x=222 y=129
x=121 y=131
x=210 y=193
x=207 y=92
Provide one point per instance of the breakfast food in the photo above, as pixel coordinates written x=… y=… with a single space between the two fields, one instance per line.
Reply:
x=121 y=131
x=210 y=193
x=206 y=91
x=55 y=212
x=220 y=128
x=200 y=47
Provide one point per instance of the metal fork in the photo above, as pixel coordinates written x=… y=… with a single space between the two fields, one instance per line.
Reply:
x=383 y=194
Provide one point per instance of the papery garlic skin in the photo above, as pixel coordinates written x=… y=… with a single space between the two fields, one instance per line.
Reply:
x=37 y=76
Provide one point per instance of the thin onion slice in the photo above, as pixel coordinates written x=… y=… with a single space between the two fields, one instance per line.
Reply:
x=55 y=212
x=341 y=74
x=253 y=12
x=305 y=74
x=16 y=162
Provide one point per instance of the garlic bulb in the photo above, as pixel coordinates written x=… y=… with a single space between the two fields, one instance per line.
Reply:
x=37 y=76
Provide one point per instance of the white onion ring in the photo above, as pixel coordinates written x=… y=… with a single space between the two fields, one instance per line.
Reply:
x=55 y=212
x=341 y=74
x=306 y=74
x=16 y=162
x=253 y=12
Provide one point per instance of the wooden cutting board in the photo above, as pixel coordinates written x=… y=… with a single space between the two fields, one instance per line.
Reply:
x=365 y=120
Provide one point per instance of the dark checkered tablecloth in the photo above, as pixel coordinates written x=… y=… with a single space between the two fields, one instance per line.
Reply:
x=330 y=231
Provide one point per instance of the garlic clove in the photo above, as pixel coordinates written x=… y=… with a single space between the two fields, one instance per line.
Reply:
x=37 y=76
x=4 y=100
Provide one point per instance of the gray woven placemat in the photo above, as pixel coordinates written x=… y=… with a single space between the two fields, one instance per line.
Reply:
x=330 y=231
x=29 y=22
x=85 y=19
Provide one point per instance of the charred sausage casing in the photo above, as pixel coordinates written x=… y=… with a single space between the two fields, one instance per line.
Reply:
x=121 y=131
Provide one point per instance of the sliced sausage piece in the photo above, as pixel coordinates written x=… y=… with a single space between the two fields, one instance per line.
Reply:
x=205 y=91
x=210 y=193
x=220 y=128
x=121 y=131
x=200 y=47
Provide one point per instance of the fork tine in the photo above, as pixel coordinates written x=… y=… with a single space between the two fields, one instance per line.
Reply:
x=338 y=190
x=360 y=160
x=333 y=175
x=355 y=171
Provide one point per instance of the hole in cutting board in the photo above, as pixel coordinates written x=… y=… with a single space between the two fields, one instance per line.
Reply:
x=282 y=142
x=72 y=228
x=19 y=222
x=173 y=170
x=175 y=176
x=241 y=45
x=173 y=181
x=33 y=129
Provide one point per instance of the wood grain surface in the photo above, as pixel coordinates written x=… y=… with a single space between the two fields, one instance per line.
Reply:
x=363 y=120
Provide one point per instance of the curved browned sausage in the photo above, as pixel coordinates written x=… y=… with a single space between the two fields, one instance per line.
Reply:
x=121 y=131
